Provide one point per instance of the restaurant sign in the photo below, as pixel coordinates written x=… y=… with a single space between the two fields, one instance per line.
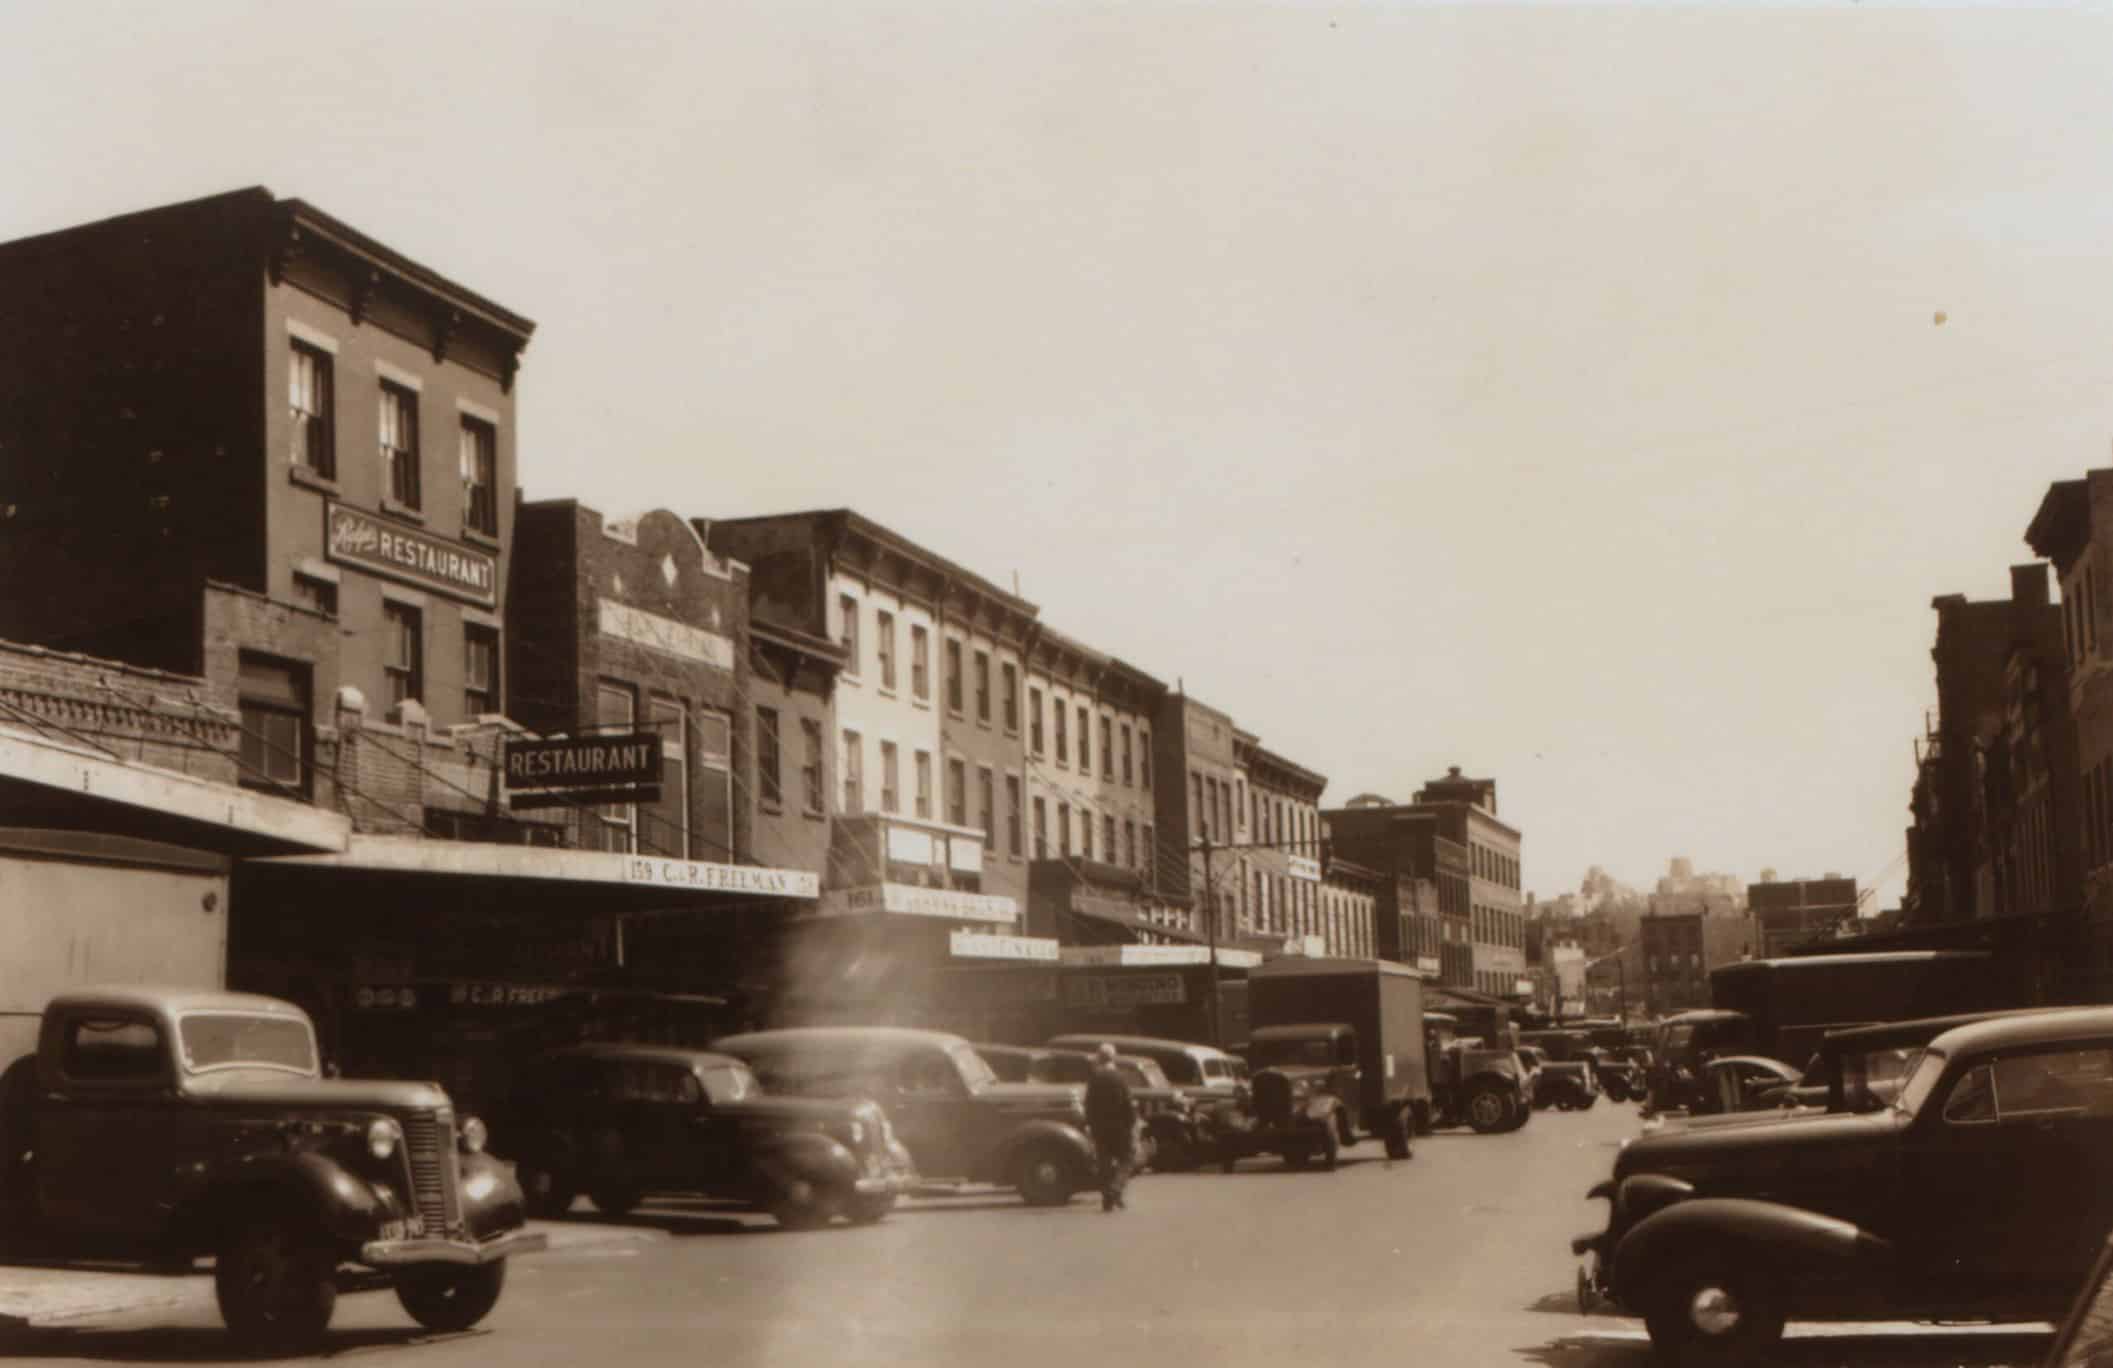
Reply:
x=352 y=536
x=984 y=945
x=618 y=767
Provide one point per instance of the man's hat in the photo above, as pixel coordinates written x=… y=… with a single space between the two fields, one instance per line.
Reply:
x=1106 y=1052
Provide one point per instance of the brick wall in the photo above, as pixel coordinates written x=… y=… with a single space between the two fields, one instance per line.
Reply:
x=175 y=722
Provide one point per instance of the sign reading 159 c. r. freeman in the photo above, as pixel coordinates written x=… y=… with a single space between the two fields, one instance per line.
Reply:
x=359 y=538
x=609 y=761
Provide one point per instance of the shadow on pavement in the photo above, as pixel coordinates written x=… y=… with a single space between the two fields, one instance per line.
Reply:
x=1923 y=1348
x=189 y=1344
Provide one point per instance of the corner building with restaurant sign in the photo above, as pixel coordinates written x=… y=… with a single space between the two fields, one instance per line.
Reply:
x=908 y=866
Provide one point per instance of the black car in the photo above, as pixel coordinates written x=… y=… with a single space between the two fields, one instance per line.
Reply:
x=1566 y=1085
x=620 y=1122
x=959 y=1123
x=1982 y=1190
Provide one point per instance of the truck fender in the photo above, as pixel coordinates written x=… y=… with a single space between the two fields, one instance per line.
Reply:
x=343 y=1204
x=492 y=1203
x=806 y=1156
x=1644 y=1194
x=1776 y=1235
x=1036 y=1135
x=1321 y=1109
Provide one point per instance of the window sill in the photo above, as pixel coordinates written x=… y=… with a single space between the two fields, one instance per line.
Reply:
x=477 y=536
x=924 y=703
x=774 y=809
x=984 y=723
x=404 y=511
x=886 y=691
x=814 y=814
x=311 y=478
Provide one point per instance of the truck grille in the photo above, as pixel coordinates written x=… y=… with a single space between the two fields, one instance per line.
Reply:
x=429 y=1140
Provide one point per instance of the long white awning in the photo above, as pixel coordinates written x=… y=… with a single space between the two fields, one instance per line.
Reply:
x=471 y=859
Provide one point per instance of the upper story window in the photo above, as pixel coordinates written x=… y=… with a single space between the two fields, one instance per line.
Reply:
x=854 y=768
x=274 y=710
x=1144 y=757
x=1085 y=741
x=1129 y=772
x=399 y=444
x=403 y=646
x=847 y=632
x=811 y=765
x=890 y=778
x=920 y=662
x=923 y=761
x=309 y=386
x=480 y=670
x=983 y=686
x=1009 y=694
x=1063 y=747
x=884 y=647
x=769 y=758
x=1107 y=747
x=480 y=478
x=957 y=792
x=1034 y=721
x=953 y=677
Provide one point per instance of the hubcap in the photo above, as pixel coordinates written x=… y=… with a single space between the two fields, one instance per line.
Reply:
x=1046 y=1174
x=1714 y=1311
x=1487 y=1108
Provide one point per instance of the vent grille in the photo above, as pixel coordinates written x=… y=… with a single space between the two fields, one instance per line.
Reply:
x=429 y=1138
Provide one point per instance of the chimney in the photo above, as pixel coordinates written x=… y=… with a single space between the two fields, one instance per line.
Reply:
x=2028 y=585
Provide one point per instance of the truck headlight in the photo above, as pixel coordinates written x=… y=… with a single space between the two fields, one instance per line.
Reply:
x=383 y=1136
x=474 y=1135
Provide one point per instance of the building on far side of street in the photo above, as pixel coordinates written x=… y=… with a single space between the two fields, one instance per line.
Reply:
x=1421 y=907
x=1676 y=975
x=1467 y=812
x=1276 y=817
x=1196 y=769
x=1791 y=912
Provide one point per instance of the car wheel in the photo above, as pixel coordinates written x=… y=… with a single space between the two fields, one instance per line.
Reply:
x=275 y=1283
x=1712 y=1312
x=447 y=1298
x=546 y=1192
x=1045 y=1177
x=1426 y=1117
x=614 y=1199
x=802 y=1205
x=1175 y=1155
x=869 y=1210
x=1487 y=1109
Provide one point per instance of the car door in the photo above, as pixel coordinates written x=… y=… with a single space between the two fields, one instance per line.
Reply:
x=2006 y=1176
x=715 y=1153
x=927 y=1102
x=115 y=1086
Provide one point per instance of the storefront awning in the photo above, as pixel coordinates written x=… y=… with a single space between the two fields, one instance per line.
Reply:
x=911 y=900
x=645 y=874
x=1155 y=956
x=60 y=784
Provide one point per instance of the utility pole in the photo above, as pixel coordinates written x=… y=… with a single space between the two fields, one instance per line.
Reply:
x=1210 y=919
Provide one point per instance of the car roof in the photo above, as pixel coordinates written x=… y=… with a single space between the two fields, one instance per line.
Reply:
x=1919 y=1031
x=1311 y=1031
x=2032 y=1028
x=1130 y=1044
x=875 y=1038
x=657 y=1054
x=1772 y=1065
x=173 y=1001
x=1700 y=1015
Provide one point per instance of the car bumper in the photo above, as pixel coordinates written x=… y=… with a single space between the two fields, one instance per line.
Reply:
x=404 y=1253
x=884 y=1185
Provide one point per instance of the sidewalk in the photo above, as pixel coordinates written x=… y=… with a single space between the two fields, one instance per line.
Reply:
x=33 y=1294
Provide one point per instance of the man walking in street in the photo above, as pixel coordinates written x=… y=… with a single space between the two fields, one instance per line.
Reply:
x=1111 y=1115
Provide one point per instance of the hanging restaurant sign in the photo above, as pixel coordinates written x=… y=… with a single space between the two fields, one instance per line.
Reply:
x=621 y=767
x=355 y=537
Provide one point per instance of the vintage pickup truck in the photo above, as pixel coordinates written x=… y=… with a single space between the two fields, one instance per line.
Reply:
x=163 y=1124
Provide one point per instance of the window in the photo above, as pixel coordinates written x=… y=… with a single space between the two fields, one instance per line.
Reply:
x=480 y=670
x=399 y=444
x=986 y=801
x=890 y=779
x=854 y=770
x=669 y=832
x=480 y=477
x=983 y=686
x=920 y=662
x=953 y=676
x=811 y=766
x=1126 y=753
x=274 y=710
x=403 y=647
x=1064 y=830
x=1041 y=829
x=616 y=709
x=1108 y=839
x=847 y=632
x=1129 y=843
x=317 y=595
x=1009 y=695
x=1012 y=814
x=1063 y=747
x=1144 y=757
x=1107 y=747
x=924 y=783
x=1147 y=852
x=1085 y=742
x=308 y=383
x=770 y=758
x=1085 y=833
x=1201 y=824
x=884 y=646
x=113 y=1048
x=1034 y=720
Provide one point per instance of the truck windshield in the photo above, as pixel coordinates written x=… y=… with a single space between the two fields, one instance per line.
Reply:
x=227 y=1040
x=1318 y=1052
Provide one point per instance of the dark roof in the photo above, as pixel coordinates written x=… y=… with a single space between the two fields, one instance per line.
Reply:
x=658 y=1054
x=2034 y=1028
x=2062 y=524
x=835 y=1037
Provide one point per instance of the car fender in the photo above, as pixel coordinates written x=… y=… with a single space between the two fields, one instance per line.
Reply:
x=1644 y=1194
x=492 y=1203
x=1774 y=1233
x=806 y=1156
x=1036 y=1134
x=343 y=1203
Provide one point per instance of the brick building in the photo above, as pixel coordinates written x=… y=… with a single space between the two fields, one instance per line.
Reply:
x=1196 y=772
x=1676 y=967
x=1421 y=906
x=1276 y=814
x=1789 y=913
x=1466 y=809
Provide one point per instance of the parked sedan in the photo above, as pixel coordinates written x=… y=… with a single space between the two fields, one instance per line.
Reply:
x=620 y=1122
x=1981 y=1191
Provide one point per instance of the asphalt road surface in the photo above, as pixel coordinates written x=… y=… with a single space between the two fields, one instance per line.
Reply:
x=1459 y=1256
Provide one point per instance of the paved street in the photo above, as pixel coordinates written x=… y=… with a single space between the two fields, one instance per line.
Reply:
x=1458 y=1257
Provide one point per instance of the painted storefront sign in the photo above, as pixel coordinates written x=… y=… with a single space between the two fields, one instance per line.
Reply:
x=355 y=537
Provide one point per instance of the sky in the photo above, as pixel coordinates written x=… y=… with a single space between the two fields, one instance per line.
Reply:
x=1589 y=396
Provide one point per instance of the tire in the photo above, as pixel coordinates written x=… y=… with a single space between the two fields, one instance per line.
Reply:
x=275 y=1282
x=1488 y=1109
x=1714 y=1311
x=546 y=1192
x=869 y=1210
x=802 y=1205
x=1399 y=1125
x=1046 y=1177
x=1426 y=1116
x=1591 y=1100
x=1345 y=1133
x=614 y=1199
x=451 y=1298
x=1520 y=1113
x=1298 y=1157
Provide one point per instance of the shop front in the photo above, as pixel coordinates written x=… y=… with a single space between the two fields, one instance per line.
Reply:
x=456 y=960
